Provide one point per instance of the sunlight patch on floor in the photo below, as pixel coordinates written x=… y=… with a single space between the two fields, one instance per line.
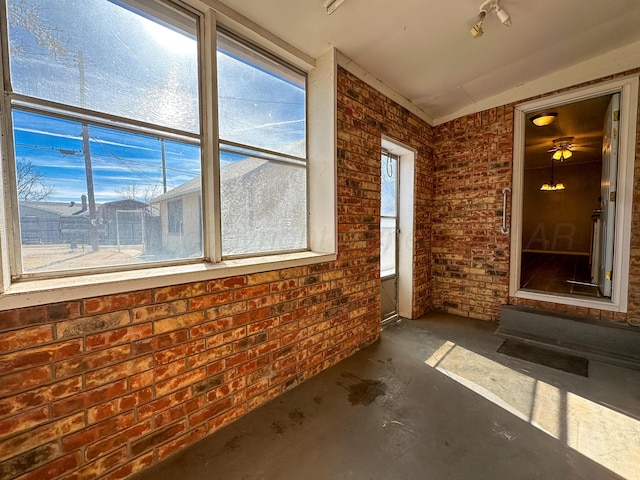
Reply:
x=606 y=436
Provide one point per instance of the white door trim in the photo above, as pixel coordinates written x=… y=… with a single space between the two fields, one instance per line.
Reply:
x=628 y=87
x=405 y=239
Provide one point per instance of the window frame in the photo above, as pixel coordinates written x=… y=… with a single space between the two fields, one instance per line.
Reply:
x=321 y=173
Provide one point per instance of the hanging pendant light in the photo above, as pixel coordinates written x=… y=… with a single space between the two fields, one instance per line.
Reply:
x=552 y=186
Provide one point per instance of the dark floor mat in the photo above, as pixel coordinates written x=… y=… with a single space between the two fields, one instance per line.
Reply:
x=548 y=358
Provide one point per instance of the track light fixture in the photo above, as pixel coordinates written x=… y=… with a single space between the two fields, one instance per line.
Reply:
x=486 y=6
x=332 y=5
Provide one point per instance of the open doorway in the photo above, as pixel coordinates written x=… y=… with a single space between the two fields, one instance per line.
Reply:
x=573 y=181
x=562 y=219
x=396 y=230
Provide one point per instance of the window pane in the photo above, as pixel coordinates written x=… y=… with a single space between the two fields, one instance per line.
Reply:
x=387 y=246
x=264 y=205
x=133 y=178
x=389 y=179
x=97 y=54
x=261 y=103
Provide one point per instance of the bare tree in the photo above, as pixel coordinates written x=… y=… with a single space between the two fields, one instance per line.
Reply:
x=143 y=193
x=31 y=186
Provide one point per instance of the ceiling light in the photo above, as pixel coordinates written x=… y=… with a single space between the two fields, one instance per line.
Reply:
x=486 y=7
x=562 y=154
x=543 y=119
x=503 y=16
x=332 y=5
x=552 y=186
x=562 y=148
x=476 y=30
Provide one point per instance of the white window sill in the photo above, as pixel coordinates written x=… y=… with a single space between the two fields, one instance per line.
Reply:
x=30 y=293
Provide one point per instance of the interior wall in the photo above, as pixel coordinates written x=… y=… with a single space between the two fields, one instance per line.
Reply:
x=473 y=162
x=560 y=221
x=103 y=387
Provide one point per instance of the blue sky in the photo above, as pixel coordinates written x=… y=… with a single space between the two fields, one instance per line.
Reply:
x=138 y=69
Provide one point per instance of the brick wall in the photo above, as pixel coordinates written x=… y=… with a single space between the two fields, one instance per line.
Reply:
x=473 y=163
x=102 y=387
x=470 y=255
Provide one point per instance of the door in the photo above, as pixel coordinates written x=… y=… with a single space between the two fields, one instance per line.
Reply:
x=608 y=194
x=389 y=236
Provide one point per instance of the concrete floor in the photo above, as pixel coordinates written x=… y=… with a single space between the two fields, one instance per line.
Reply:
x=431 y=400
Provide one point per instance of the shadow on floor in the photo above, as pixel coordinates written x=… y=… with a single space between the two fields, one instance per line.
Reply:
x=432 y=400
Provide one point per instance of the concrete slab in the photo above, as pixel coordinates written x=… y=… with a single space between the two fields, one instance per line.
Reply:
x=432 y=400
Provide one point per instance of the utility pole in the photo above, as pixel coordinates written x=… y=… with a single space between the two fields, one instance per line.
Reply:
x=86 y=149
x=164 y=167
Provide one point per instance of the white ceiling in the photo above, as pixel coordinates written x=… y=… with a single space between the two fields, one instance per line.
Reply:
x=423 y=51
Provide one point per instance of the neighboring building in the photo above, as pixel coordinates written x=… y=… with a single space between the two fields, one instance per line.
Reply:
x=122 y=222
x=261 y=212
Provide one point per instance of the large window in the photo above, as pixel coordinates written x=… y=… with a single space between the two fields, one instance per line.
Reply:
x=261 y=105
x=105 y=144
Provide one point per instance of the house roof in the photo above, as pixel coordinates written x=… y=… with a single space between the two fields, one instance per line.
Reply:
x=422 y=54
x=63 y=209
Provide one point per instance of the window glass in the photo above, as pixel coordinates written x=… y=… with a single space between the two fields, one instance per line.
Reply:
x=263 y=178
x=261 y=103
x=109 y=57
x=264 y=205
x=388 y=214
x=133 y=178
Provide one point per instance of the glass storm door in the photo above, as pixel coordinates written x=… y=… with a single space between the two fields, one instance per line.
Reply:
x=388 y=237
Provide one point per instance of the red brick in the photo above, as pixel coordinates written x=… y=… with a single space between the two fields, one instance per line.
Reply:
x=92 y=361
x=130 y=468
x=100 y=466
x=40 y=396
x=116 y=302
x=92 y=434
x=119 y=405
x=158 y=437
x=122 y=335
x=24 y=380
x=181 y=381
x=163 y=403
x=33 y=357
x=41 y=435
x=120 y=370
x=55 y=468
x=210 y=411
x=26 y=461
x=123 y=436
x=211 y=300
x=25 y=337
x=158 y=342
x=177 y=292
x=156 y=312
x=88 y=398
x=181 y=442
x=24 y=421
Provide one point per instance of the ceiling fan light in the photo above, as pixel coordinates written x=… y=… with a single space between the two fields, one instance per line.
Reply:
x=543 y=119
x=545 y=187
x=557 y=155
x=559 y=186
x=566 y=153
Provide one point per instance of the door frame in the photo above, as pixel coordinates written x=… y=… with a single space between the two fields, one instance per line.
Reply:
x=628 y=88
x=405 y=238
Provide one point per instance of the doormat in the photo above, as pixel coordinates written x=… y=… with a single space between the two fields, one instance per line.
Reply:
x=548 y=358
